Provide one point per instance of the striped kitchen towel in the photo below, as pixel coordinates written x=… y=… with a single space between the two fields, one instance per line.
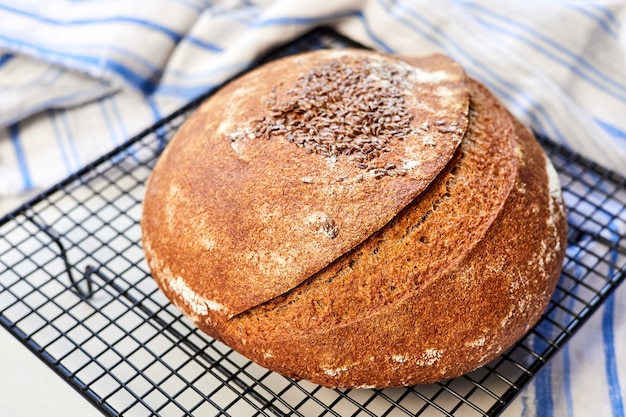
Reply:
x=78 y=78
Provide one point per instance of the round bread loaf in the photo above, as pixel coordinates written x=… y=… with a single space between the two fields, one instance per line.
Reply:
x=357 y=220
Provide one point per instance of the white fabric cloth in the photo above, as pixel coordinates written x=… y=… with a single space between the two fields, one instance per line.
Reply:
x=78 y=78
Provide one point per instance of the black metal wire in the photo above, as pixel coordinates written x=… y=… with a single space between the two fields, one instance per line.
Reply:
x=75 y=290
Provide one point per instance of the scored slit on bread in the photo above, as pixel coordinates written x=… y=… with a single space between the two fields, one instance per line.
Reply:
x=454 y=313
x=399 y=279
x=257 y=203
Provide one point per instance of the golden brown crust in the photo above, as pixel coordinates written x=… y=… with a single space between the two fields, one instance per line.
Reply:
x=429 y=237
x=461 y=312
x=265 y=213
x=450 y=280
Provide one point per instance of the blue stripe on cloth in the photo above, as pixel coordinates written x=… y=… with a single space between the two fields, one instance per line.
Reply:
x=578 y=273
x=614 y=131
x=54 y=102
x=608 y=337
x=156 y=113
x=47 y=77
x=615 y=395
x=293 y=20
x=544 y=404
x=601 y=22
x=107 y=120
x=5 y=58
x=70 y=138
x=151 y=68
x=545 y=331
x=174 y=36
x=524 y=404
x=606 y=12
x=567 y=383
x=14 y=134
x=117 y=123
x=144 y=84
x=573 y=68
x=59 y=139
x=154 y=70
x=50 y=75
x=530 y=109
x=203 y=44
x=118 y=118
x=538 y=35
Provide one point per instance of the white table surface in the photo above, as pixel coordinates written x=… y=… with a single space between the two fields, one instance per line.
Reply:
x=30 y=389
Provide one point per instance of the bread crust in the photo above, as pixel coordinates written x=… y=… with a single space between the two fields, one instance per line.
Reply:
x=457 y=262
x=244 y=219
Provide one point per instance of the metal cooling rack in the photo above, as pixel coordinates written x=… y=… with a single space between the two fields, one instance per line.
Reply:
x=74 y=289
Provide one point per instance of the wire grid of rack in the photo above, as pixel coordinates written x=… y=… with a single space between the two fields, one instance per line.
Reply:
x=75 y=289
